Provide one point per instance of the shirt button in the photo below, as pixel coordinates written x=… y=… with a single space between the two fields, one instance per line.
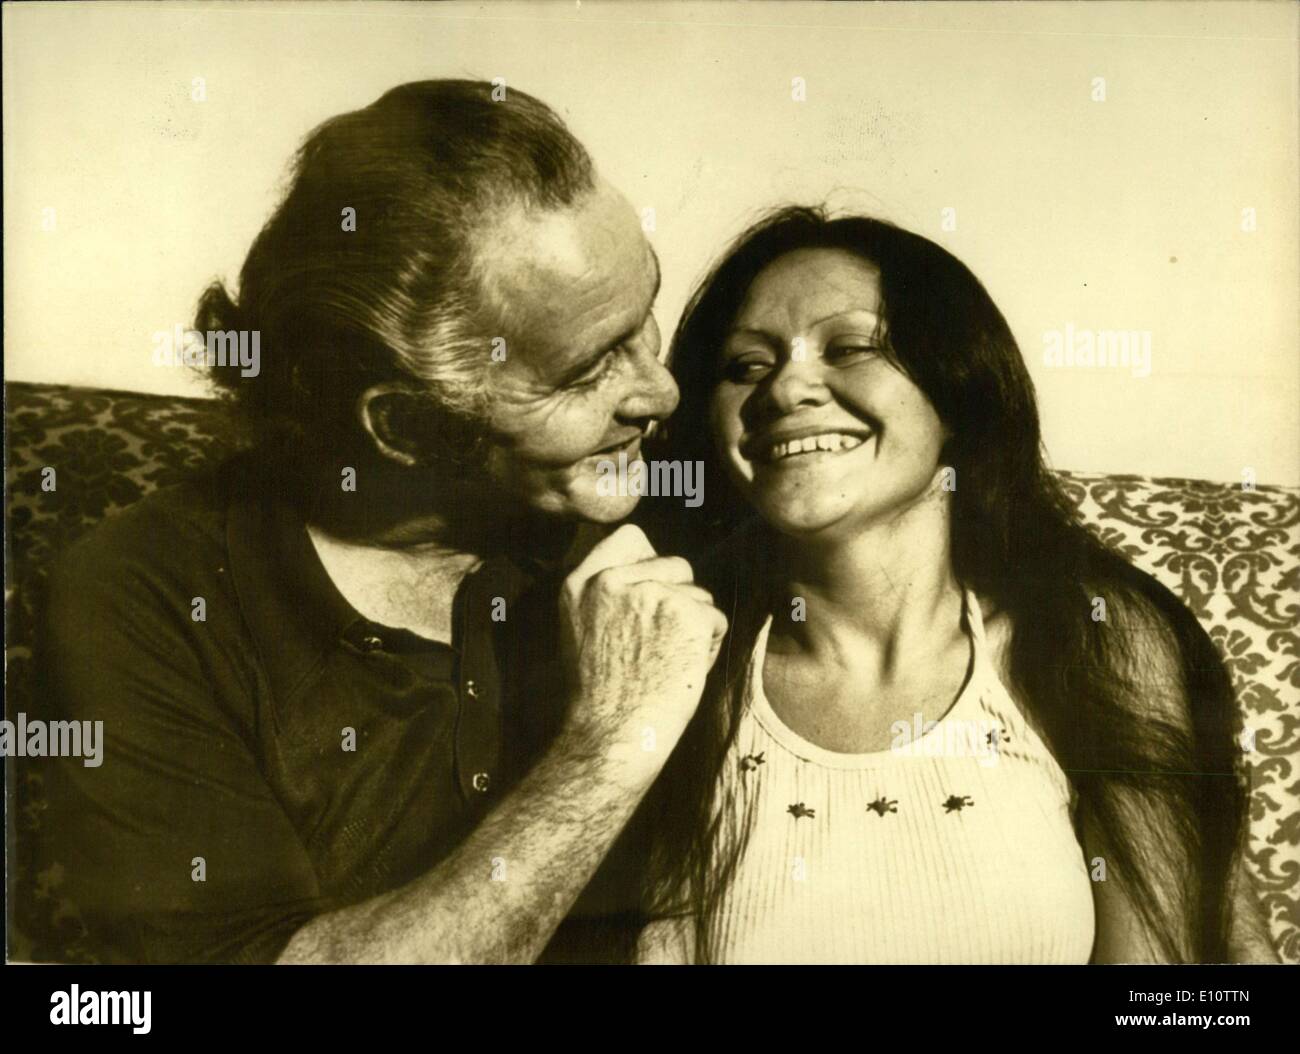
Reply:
x=371 y=643
x=481 y=782
x=471 y=689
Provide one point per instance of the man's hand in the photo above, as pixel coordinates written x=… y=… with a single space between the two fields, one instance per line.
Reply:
x=639 y=638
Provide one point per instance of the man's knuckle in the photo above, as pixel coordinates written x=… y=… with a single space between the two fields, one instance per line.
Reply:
x=682 y=566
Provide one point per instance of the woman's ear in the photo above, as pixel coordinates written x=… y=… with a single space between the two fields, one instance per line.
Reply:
x=380 y=410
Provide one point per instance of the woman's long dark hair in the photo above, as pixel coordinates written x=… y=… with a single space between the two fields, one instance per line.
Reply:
x=1016 y=540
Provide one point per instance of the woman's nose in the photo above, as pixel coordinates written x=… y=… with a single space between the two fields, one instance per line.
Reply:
x=797 y=382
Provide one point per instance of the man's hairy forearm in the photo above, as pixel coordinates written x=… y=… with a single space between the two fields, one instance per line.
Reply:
x=501 y=895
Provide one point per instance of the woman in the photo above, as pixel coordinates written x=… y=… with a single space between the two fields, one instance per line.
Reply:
x=949 y=725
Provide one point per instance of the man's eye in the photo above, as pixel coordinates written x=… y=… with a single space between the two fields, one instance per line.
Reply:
x=596 y=373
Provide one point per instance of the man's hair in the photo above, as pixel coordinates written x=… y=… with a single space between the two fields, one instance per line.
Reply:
x=367 y=271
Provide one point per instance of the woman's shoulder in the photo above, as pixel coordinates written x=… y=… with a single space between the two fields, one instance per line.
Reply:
x=999 y=629
x=1137 y=631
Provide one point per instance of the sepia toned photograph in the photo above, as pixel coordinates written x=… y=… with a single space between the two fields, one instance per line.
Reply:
x=651 y=483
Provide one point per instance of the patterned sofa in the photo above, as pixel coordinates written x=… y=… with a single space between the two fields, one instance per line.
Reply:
x=1232 y=555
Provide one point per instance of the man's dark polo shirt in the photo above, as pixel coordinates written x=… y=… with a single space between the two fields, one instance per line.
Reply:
x=228 y=810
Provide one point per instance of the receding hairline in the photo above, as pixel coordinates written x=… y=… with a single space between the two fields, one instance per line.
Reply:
x=517 y=223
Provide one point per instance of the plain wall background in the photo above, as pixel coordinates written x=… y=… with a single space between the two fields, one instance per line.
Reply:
x=1123 y=214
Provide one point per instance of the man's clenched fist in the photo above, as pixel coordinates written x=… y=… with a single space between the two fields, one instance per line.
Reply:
x=639 y=639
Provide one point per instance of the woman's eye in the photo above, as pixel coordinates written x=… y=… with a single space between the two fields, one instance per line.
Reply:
x=848 y=353
x=745 y=371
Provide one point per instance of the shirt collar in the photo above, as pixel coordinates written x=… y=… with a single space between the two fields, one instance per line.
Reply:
x=296 y=614
x=293 y=611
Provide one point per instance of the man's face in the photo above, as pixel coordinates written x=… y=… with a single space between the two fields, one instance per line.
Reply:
x=581 y=380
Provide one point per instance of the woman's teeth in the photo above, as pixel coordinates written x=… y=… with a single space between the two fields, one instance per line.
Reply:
x=827 y=441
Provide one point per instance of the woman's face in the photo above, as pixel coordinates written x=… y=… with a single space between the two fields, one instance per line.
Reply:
x=818 y=430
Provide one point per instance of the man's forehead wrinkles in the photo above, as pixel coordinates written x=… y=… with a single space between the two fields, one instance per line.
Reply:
x=534 y=280
x=571 y=285
x=581 y=308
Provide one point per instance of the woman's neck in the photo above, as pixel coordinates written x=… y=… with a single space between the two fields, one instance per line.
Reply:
x=884 y=588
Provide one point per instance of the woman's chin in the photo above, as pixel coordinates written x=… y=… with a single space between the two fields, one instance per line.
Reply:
x=806 y=518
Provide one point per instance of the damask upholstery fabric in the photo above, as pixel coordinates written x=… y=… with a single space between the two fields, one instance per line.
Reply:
x=1232 y=554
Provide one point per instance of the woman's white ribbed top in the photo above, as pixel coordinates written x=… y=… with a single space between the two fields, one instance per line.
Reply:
x=954 y=846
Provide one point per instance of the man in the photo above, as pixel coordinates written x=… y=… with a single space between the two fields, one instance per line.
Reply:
x=344 y=719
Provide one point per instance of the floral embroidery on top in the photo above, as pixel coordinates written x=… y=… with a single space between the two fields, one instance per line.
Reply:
x=883 y=805
x=799 y=809
x=751 y=761
x=956 y=803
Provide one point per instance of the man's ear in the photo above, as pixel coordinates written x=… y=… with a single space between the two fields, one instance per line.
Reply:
x=380 y=410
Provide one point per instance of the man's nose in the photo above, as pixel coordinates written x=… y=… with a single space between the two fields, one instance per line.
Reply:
x=653 y=395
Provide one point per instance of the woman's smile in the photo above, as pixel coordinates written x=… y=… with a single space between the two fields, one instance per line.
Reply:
x=798 y=449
